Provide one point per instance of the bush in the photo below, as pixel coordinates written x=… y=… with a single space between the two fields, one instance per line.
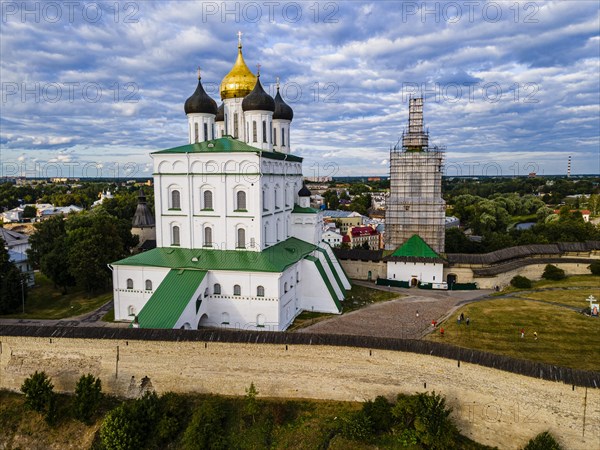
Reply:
x=553 y=273
x=206 y=429
x=543 y=441
x=379 y=412
x=88 y=395
x=595 y=267
x=357 y=427
x=39 y=395
x=521 y=282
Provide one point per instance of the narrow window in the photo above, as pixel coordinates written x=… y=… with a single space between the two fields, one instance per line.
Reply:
x=283 y=137
x=205 y=292
x=175 y=200
x=208 y=237
x=175 y=236
x=212 y=131
x=205 y=131
x=260 y=291
x=131 y=310
x=237 y=290
x=285 y=287
x=254 y=137
x=225 y=319
x=264 y=199
x=241 y=238
x=270 y=134
x=247 y=132
x=274 y=136
x=235 y=125
x=198 y=303
x=264 y=131
x=260 y=321
x=148 y=285
x=208 y=200
x=196 y=132
x=129 y=283
x=241 y=200
x=217 y=289
x=226 y=125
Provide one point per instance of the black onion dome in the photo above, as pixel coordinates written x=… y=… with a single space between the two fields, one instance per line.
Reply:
x=200 y=102
x=282 y=109
x=258 y=99
x=304 y=192
x=220 y=113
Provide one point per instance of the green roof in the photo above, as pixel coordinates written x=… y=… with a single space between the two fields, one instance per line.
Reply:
x=332 y=268
x=168 y=302
x=415 y=247
x=273 y=259
x=227 y=144
x=299 y=210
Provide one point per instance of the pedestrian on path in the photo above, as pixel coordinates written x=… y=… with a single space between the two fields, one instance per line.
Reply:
x=442 y=331
x=522 y=333
x=417 y=313
x=535 y=335
x=468 y=321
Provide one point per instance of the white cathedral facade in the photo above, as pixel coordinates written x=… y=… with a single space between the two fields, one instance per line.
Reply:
x=237 y=243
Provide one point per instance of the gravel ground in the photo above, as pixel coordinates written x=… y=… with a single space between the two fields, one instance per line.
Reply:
x=397 y=318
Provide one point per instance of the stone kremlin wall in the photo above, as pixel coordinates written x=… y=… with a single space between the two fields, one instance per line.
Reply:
x=491 y=406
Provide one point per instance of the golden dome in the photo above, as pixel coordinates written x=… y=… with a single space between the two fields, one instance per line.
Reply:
x=239 y=82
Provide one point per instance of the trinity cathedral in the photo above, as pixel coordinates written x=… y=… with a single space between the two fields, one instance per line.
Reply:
x=237 y=243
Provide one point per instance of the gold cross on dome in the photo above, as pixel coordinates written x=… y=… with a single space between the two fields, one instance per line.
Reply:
x=258 y=69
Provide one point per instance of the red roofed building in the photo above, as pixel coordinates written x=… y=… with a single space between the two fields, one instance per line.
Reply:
x=357 y=236
x=585 y=213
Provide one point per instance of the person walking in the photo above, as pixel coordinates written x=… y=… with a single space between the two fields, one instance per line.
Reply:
x=522 y=333
x=468 y=321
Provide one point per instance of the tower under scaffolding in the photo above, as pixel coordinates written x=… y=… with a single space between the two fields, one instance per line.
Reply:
x=415 y=205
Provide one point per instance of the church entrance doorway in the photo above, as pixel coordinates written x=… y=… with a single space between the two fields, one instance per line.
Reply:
x=451 y=279
x=414 y=282
x=203 y=322
x=369 y=276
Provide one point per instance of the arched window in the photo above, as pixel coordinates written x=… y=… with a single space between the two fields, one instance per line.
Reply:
x=205 y=292
x=198 y=303
x=274 y=136
x=205 y=131
x=285 y=287
x=208 y=200
x=254 y=133
x=260 y=321
x=277 y=205
x=264 y=131
x=283 y=137
x=264 y=201
x=241 y=238
x=224 y=318
x=235 y=125
x=260 y=291
x=196 y=132
x=237 y=290
x=217 y=289
x=148 y=285
x=208 y=237
x=241 y=200
x=129 y=283
x=175 y=199
x=131 y=310
x=265 y=232
x=175 y=235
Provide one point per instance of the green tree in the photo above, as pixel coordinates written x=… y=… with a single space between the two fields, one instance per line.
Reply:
x=521 y=282
x=39 y=395
x=12 y=284
x=552 y=272
x=206 y=429
x=94 y=241
x=29 y=212
x=595 y=267
x=543 y=441
x=379 y=412
x=88 y=395
x=251 y=406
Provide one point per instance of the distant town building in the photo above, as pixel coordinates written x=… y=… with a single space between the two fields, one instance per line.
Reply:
x=17 y=245
x=359 y=236
x=103 y=196
x=415 y=262
x=333 y=238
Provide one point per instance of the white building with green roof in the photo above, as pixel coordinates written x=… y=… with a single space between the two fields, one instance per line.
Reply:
x=416 y=262
x=238 y=244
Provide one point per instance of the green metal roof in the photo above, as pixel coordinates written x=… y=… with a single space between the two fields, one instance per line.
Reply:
x=299 y=210
x=415 y=247
x=170 y=298
x=332 y=268
x=228 y=144
x=273 y=259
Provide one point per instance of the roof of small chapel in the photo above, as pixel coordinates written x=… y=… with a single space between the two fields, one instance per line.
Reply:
x=415 y=249
x=227 y=144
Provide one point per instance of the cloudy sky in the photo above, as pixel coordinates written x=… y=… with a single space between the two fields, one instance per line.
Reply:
x=91 y=88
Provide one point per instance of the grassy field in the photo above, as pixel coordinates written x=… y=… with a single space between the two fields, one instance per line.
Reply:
x=575 y=297
x=44 y=301
x=565 y=337
x=590 y=281
x=357 y=297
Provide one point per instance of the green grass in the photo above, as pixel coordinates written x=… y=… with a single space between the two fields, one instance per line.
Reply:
x=109 y=316
x=565 y=337
x=590 y=281
x=571 y=297
x=44 y=301
x=357 y=297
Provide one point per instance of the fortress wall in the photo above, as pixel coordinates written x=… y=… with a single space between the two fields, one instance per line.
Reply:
x=531 y=271
x=491 y=406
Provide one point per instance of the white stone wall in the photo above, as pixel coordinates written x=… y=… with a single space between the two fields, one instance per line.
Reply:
x=196 y=123
x=262 y=138
x=133 y=300
x=424 y=272
x=281 y=128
